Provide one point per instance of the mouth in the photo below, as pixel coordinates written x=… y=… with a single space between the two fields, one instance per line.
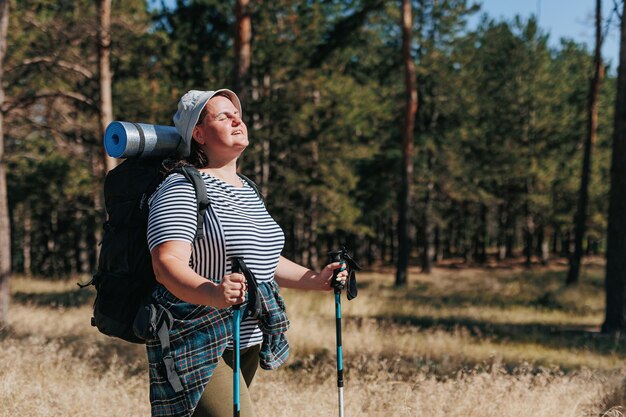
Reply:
x=237 y=132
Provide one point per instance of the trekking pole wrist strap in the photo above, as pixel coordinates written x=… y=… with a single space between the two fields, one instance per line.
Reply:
x=254 y=300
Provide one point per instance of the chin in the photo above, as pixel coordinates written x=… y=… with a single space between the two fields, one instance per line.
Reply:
x=242 y=142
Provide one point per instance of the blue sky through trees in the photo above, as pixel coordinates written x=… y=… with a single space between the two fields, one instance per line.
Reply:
x=572 y=19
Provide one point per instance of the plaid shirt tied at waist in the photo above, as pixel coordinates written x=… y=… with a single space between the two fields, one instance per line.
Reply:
x=198 y=337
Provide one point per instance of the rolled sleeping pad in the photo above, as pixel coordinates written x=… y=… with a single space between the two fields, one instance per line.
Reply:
x=127 y=139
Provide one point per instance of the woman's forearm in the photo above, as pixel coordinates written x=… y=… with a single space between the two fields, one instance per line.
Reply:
x=170 y=262
x=291 y=275
x=181 y=280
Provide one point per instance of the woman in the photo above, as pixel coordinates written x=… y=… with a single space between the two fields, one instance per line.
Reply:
x=197 y=285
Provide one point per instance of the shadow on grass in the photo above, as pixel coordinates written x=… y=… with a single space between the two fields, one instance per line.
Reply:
x=548 y=300
x=589 y=262
x=552 y=336
x=65 y=299
x=538 y=289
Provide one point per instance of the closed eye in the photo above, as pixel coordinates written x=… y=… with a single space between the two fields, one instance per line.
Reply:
x=226 y=115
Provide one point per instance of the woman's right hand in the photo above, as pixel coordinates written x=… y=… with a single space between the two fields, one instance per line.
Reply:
x=231 y=291
x=170 y=261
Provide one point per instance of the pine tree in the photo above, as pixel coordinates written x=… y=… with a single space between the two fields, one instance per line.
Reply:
x=615 y=281
x=590 y=139
x=406 y=183
x=104 y=74
x=5 y=228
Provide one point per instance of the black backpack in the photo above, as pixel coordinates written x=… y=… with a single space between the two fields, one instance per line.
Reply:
x=124 y=279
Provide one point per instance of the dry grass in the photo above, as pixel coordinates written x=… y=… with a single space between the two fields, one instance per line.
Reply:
x=463 y=342
x=493 y=392
x=40 y=377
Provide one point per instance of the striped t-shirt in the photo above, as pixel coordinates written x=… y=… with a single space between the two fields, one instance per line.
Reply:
x=235 y=224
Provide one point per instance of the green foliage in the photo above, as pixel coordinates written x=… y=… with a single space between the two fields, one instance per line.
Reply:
x=197 y=46
x=498 y=135
x=53 y=192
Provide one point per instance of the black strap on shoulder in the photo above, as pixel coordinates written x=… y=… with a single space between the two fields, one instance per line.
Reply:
x=202 y=199
x=253 y=185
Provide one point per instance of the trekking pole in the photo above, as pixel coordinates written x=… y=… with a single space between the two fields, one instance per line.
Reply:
x=236 y=342
x=253 y=310
x=337 y=256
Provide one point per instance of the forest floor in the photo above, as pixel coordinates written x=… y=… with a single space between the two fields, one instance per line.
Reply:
x=501 y=340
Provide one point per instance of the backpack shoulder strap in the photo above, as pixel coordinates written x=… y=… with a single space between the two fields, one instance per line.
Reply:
x=202 y=199
x=253 y=185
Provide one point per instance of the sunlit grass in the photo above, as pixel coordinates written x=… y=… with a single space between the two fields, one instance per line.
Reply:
x=466 y=317
x=467 y=342
x=39 y=377
x=493 y=392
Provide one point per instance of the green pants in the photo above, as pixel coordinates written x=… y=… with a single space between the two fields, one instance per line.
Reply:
x=217 y=399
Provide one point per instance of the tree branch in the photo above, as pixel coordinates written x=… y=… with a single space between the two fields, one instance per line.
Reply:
x=9 y=106
x=85 y=72
x=342 y=30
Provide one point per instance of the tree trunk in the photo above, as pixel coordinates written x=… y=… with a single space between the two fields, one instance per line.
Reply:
x=80 y=243
x=104 y=163
x=511 y=236
x=313 y=259
x=556 y=239
x=590 y=139
x=243 y=37
x=26 y=242
x=404 y=200
x=615 y=280
x=393 y=242
x=502 y=231
x=265 y=152
x=95 y=230
x=465 y=240
x=529 y=226
x=451 y=239
x=53 y=245
x=543 y=244
x=438 y=245
x=262 y=160
x=427 y=227
x=300 y=236
x=482 y=235
x=566 y=244
x=529 y=234
x=104 y=66
x=5 y=227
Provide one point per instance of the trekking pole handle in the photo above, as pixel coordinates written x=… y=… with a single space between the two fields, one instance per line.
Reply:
x=235 y=269
x=336 y=256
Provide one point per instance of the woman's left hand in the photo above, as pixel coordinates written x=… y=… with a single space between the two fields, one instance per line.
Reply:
x=291 y=275
x=325 y=277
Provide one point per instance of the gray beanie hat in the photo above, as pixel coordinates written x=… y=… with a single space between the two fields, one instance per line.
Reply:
x=189 y=108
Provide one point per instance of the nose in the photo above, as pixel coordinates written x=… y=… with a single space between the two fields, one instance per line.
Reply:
x=237 y=120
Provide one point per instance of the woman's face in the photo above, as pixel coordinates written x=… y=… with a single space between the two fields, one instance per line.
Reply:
x=221 y=133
